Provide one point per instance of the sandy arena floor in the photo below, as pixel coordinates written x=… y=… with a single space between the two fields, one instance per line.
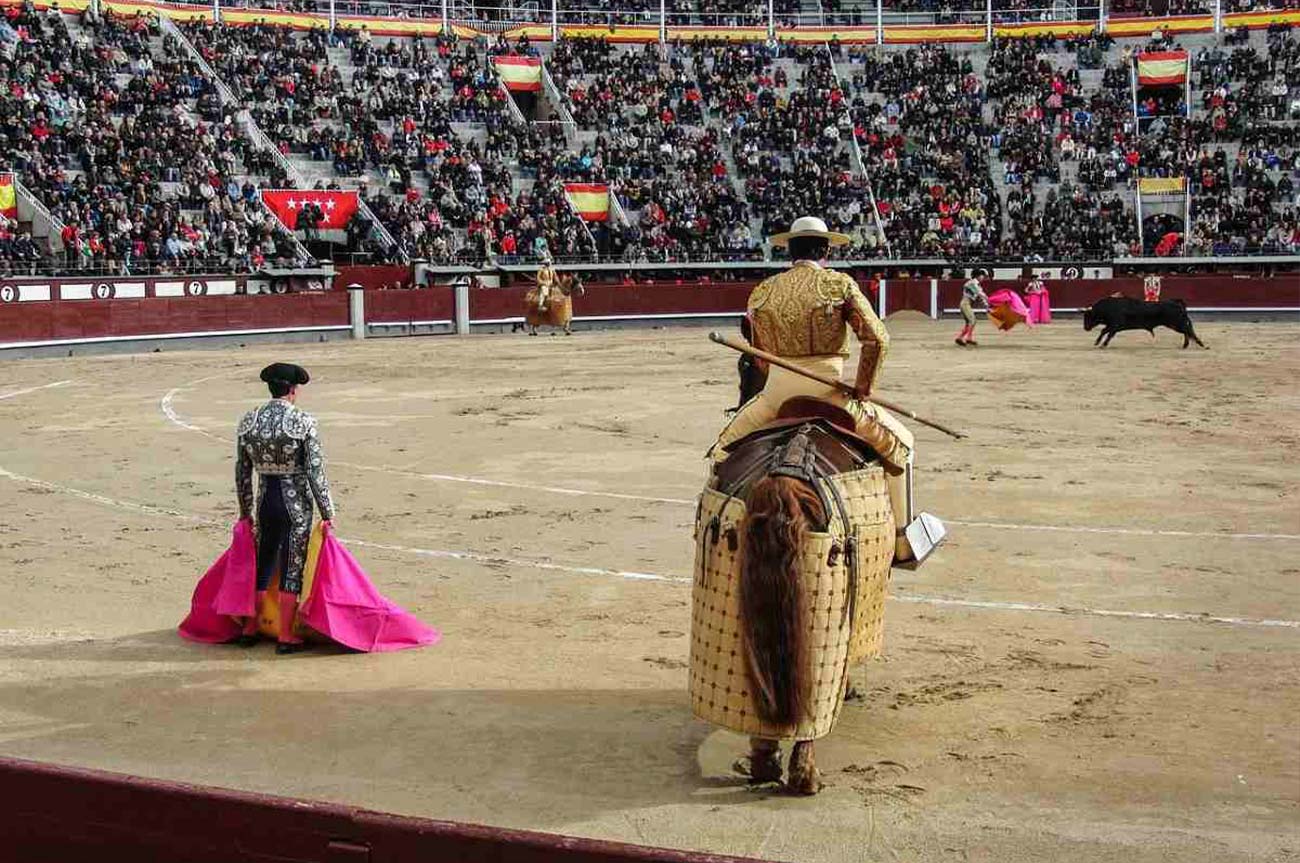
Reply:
x=1101 y=665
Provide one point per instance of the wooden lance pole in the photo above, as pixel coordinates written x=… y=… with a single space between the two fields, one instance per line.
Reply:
x=828 y=381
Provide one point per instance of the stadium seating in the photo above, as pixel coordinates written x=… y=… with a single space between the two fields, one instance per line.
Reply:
x=1026 y=148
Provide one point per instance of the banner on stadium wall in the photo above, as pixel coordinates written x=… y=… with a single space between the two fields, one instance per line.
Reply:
x=8 y=197
x=337 y=206
x=1161 y=185
x=1156 y=68
x=519 y=73
x=591 y=200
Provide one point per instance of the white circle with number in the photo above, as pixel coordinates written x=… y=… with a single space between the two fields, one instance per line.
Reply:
x=103 y=291
x=196 y=288
x=8 y=293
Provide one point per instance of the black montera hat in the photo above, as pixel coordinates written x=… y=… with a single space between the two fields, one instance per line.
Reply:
x=286 y=373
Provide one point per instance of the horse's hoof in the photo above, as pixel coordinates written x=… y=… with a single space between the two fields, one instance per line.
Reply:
x=764 y=769
x=804 y=778
x=805 y=784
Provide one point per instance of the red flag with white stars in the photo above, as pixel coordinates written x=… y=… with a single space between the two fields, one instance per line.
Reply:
x=336 y=207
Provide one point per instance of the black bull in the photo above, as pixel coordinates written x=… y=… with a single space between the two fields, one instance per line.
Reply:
x=1116 y=314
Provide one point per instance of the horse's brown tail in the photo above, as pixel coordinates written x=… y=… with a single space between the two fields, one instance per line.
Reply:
x=772 y=600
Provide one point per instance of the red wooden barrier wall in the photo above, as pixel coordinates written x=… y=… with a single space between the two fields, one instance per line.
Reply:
x=55 y=320
x=1222 y=292
x=55 y=814
x=602 y=300
x=426 y=304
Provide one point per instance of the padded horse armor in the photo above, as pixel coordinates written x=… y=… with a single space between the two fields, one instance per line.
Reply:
x=845 y=567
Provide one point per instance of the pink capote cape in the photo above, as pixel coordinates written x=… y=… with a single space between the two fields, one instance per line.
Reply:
x=1040 y=307
x=343 y=604
x=1007 y=297
x=225 y=591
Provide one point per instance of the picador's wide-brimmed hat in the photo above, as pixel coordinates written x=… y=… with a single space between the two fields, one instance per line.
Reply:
x=809 y=226
x=285 y=373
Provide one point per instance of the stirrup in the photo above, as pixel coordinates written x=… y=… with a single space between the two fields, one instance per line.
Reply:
x=924 y=535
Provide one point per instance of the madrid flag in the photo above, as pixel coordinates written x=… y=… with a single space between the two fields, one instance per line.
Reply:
x=8 y=197
x=336 y=206
x=1156 y=68
x=591 y=200
x=519 y=73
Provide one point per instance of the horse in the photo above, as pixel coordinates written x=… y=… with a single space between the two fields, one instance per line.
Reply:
x=813 y=544
x=559 y=305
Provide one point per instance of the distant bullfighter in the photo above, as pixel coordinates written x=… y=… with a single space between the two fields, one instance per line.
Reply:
x=1118 y=313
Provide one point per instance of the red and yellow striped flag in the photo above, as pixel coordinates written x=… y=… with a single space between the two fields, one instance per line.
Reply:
x=1161 y=185
x=591 y=200
x=8 y=197
x=519 y=73
x=1156 y=68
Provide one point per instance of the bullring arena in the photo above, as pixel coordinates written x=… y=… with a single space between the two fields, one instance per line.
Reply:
x=1099 y=665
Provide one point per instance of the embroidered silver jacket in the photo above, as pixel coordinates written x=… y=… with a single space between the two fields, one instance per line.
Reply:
x=279 y=439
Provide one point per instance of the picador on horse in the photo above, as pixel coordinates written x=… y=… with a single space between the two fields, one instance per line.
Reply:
x=807 y=507
x=551 y=302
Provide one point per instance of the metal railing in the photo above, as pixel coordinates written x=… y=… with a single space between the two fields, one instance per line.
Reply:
x=52 y=224
x=490 y=19
x=561 y=107
x=857 y=163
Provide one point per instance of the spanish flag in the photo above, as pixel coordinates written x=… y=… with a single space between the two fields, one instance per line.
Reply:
x=591 y=200
x=519 y=73
x=8 y=197
x=1157 y=68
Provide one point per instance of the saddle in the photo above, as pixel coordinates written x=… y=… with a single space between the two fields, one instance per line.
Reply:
x=809 y=440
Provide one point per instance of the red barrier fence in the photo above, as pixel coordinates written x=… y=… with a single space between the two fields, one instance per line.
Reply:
x=1199 y=292
x=616 y=301
x=122 y=319
x=57 y=312
x=54 y=814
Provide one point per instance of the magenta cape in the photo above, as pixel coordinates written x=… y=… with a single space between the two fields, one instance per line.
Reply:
x=343 y=605
x=224 y=592
x=1012 y=300
x=1040 y=307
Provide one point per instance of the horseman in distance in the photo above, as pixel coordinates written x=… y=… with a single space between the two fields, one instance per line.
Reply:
x=807 y=506
x=551 y=302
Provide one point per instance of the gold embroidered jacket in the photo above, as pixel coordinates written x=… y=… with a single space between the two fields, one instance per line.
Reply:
x=808 y=310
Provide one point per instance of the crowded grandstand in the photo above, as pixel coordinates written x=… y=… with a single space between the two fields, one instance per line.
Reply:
x=139 y=144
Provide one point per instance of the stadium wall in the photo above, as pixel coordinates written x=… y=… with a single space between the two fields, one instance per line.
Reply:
x=68 y=314
x=59 y=814
x=1117 y=26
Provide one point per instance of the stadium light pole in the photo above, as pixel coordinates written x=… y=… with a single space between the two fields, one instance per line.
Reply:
x=446 y=25
x=333 y=17
x=988 y=32
x=216 y=11
x=555 y=21
x=771 y=20
x=663 y=24
x=880 y=22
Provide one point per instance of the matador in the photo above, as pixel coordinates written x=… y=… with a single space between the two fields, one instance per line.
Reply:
x=279 y=442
